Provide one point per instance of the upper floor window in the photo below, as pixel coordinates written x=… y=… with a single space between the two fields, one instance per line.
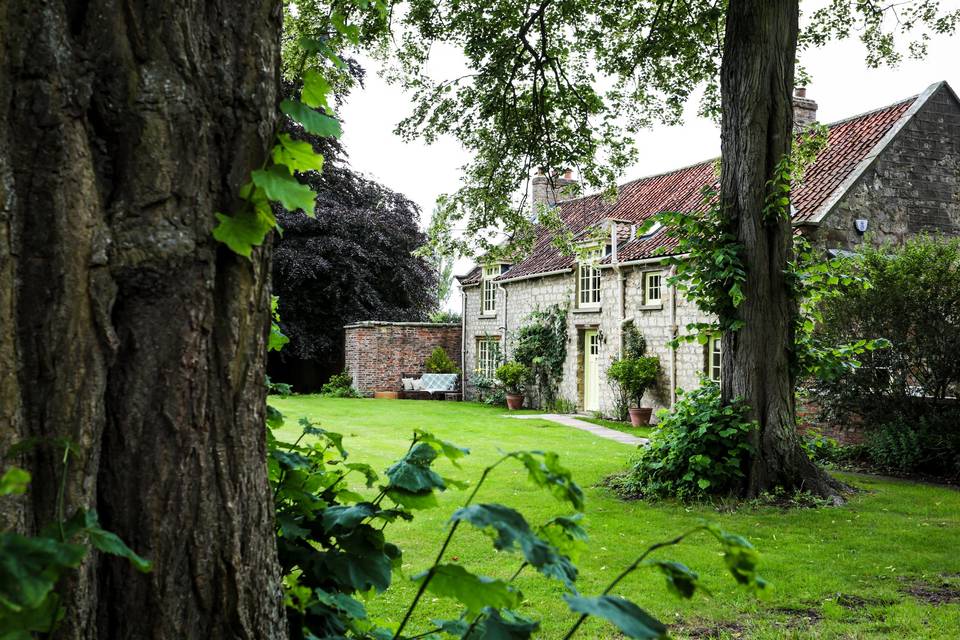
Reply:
x=588 y=277
x=652 y=287
x=489 y=289
x=714 y=357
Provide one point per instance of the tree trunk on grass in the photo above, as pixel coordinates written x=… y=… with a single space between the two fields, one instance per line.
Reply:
x=756 y=89
x=124 y=327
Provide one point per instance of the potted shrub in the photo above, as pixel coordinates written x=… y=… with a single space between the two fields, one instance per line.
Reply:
x=635 y=376
x=513 y=376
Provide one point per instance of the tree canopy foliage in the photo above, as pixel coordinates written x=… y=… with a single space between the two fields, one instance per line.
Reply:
x=353 y=261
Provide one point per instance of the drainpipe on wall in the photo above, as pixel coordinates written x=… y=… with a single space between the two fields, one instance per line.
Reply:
x=673 y=333
x=503 y=352
x=621 y=310
x=463 y=339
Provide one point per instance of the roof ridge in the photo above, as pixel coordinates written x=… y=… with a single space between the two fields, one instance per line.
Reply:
x=835 y=123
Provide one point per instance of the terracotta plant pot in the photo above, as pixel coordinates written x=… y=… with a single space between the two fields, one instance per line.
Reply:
x=640 y=416
x=514 y=401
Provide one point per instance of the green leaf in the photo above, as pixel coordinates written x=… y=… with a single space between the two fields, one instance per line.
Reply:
x=565 y=534
x=370 y=476
x=17 y=625
x=296 y=154
x=411 y=500
x=632 y=621
x=503 y=625
x=274 y=417
x=413 y=473
x=314 y=122
x=315 y=90
x=31 y=566
x=474 y=592
x=279 y=185
x=88 y=523
x=14 y=481
x=365 y=560
x=544 y=470
x=340 y=518
x=510 y=530
x=244 y=230
x=681 y=580
x=740 y=557
x=341 y=601
x=449 y=450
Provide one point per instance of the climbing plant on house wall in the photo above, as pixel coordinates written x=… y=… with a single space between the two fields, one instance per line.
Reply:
x=541 y=345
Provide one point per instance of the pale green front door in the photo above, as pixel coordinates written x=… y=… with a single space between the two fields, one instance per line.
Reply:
x=591 y=371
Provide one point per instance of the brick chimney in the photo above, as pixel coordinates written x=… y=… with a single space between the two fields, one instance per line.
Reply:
x=804 y=109
x=545 y=193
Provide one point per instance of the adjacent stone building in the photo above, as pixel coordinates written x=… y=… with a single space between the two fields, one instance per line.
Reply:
x=885 y=175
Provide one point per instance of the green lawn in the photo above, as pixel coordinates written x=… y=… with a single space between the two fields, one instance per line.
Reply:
x=616 y=425
x=870 y=569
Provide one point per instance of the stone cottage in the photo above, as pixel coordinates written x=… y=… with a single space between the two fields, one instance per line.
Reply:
x=885 y=175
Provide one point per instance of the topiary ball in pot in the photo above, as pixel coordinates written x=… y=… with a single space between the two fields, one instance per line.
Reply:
x=635 y=376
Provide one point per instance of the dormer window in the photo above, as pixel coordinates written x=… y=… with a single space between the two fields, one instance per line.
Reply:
x=588 y=279
x=489 y=290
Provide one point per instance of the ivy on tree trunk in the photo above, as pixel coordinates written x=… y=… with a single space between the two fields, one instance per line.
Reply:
x=124 y=326
x=756 y=81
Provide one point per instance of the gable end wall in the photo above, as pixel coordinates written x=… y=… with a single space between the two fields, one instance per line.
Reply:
x=912 y=187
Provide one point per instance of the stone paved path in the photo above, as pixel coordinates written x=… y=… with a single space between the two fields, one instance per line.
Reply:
x=595 y=429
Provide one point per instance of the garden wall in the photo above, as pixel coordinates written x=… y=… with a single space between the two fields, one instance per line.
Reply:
x=378 y=352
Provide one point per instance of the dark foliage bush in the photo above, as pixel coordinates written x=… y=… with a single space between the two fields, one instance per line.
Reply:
x=351 y=262
x=701 y=447
x=903 y=395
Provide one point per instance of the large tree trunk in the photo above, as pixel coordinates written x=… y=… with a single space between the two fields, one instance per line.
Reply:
x=125 y=327
x=756 y=90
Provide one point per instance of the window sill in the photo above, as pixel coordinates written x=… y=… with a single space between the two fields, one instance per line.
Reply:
x=487 y=316
x=651 y=307
x=587 y=310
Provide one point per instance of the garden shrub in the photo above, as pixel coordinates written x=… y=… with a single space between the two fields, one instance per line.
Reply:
x=340 y=385
x=634 y=376
x=439 y=362
x=901 y=394
x=701 y=447
x=513 y=376
x=489 y=391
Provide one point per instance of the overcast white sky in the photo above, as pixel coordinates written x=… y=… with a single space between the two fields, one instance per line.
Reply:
x=842 y=85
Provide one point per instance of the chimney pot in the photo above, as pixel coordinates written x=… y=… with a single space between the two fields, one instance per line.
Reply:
x=804 y=110
x=568 y=174
x=801 y=92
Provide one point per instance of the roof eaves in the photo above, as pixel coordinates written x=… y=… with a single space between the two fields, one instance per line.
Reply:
x=869 y=159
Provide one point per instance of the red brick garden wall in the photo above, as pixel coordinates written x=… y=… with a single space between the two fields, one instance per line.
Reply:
x=378 y=352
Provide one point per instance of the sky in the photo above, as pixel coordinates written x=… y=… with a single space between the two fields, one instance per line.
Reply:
x=841 y=84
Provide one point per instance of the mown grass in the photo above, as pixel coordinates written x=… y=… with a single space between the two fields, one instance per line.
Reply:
x=616 y=425
x=844 y=572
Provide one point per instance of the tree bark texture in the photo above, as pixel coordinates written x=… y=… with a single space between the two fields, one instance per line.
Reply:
x=756 y=91
x=124 y=327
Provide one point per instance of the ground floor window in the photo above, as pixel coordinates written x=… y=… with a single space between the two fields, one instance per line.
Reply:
x=651 y=289
x=714 y=357
x=488 y=355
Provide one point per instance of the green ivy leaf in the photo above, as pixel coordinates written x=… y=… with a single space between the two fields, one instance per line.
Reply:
x=632 y=621
x=18 y=625
x=317 y=123
x=510 y=531
x=474 y=592
x=14 y=481
x=279 y=185
x=297 y=155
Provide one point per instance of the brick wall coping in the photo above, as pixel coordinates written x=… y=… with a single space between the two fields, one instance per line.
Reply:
x=384 y=323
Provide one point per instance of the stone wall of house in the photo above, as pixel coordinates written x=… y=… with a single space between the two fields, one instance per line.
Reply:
x=517 y=300
x=912 y=187
x=377 y=353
